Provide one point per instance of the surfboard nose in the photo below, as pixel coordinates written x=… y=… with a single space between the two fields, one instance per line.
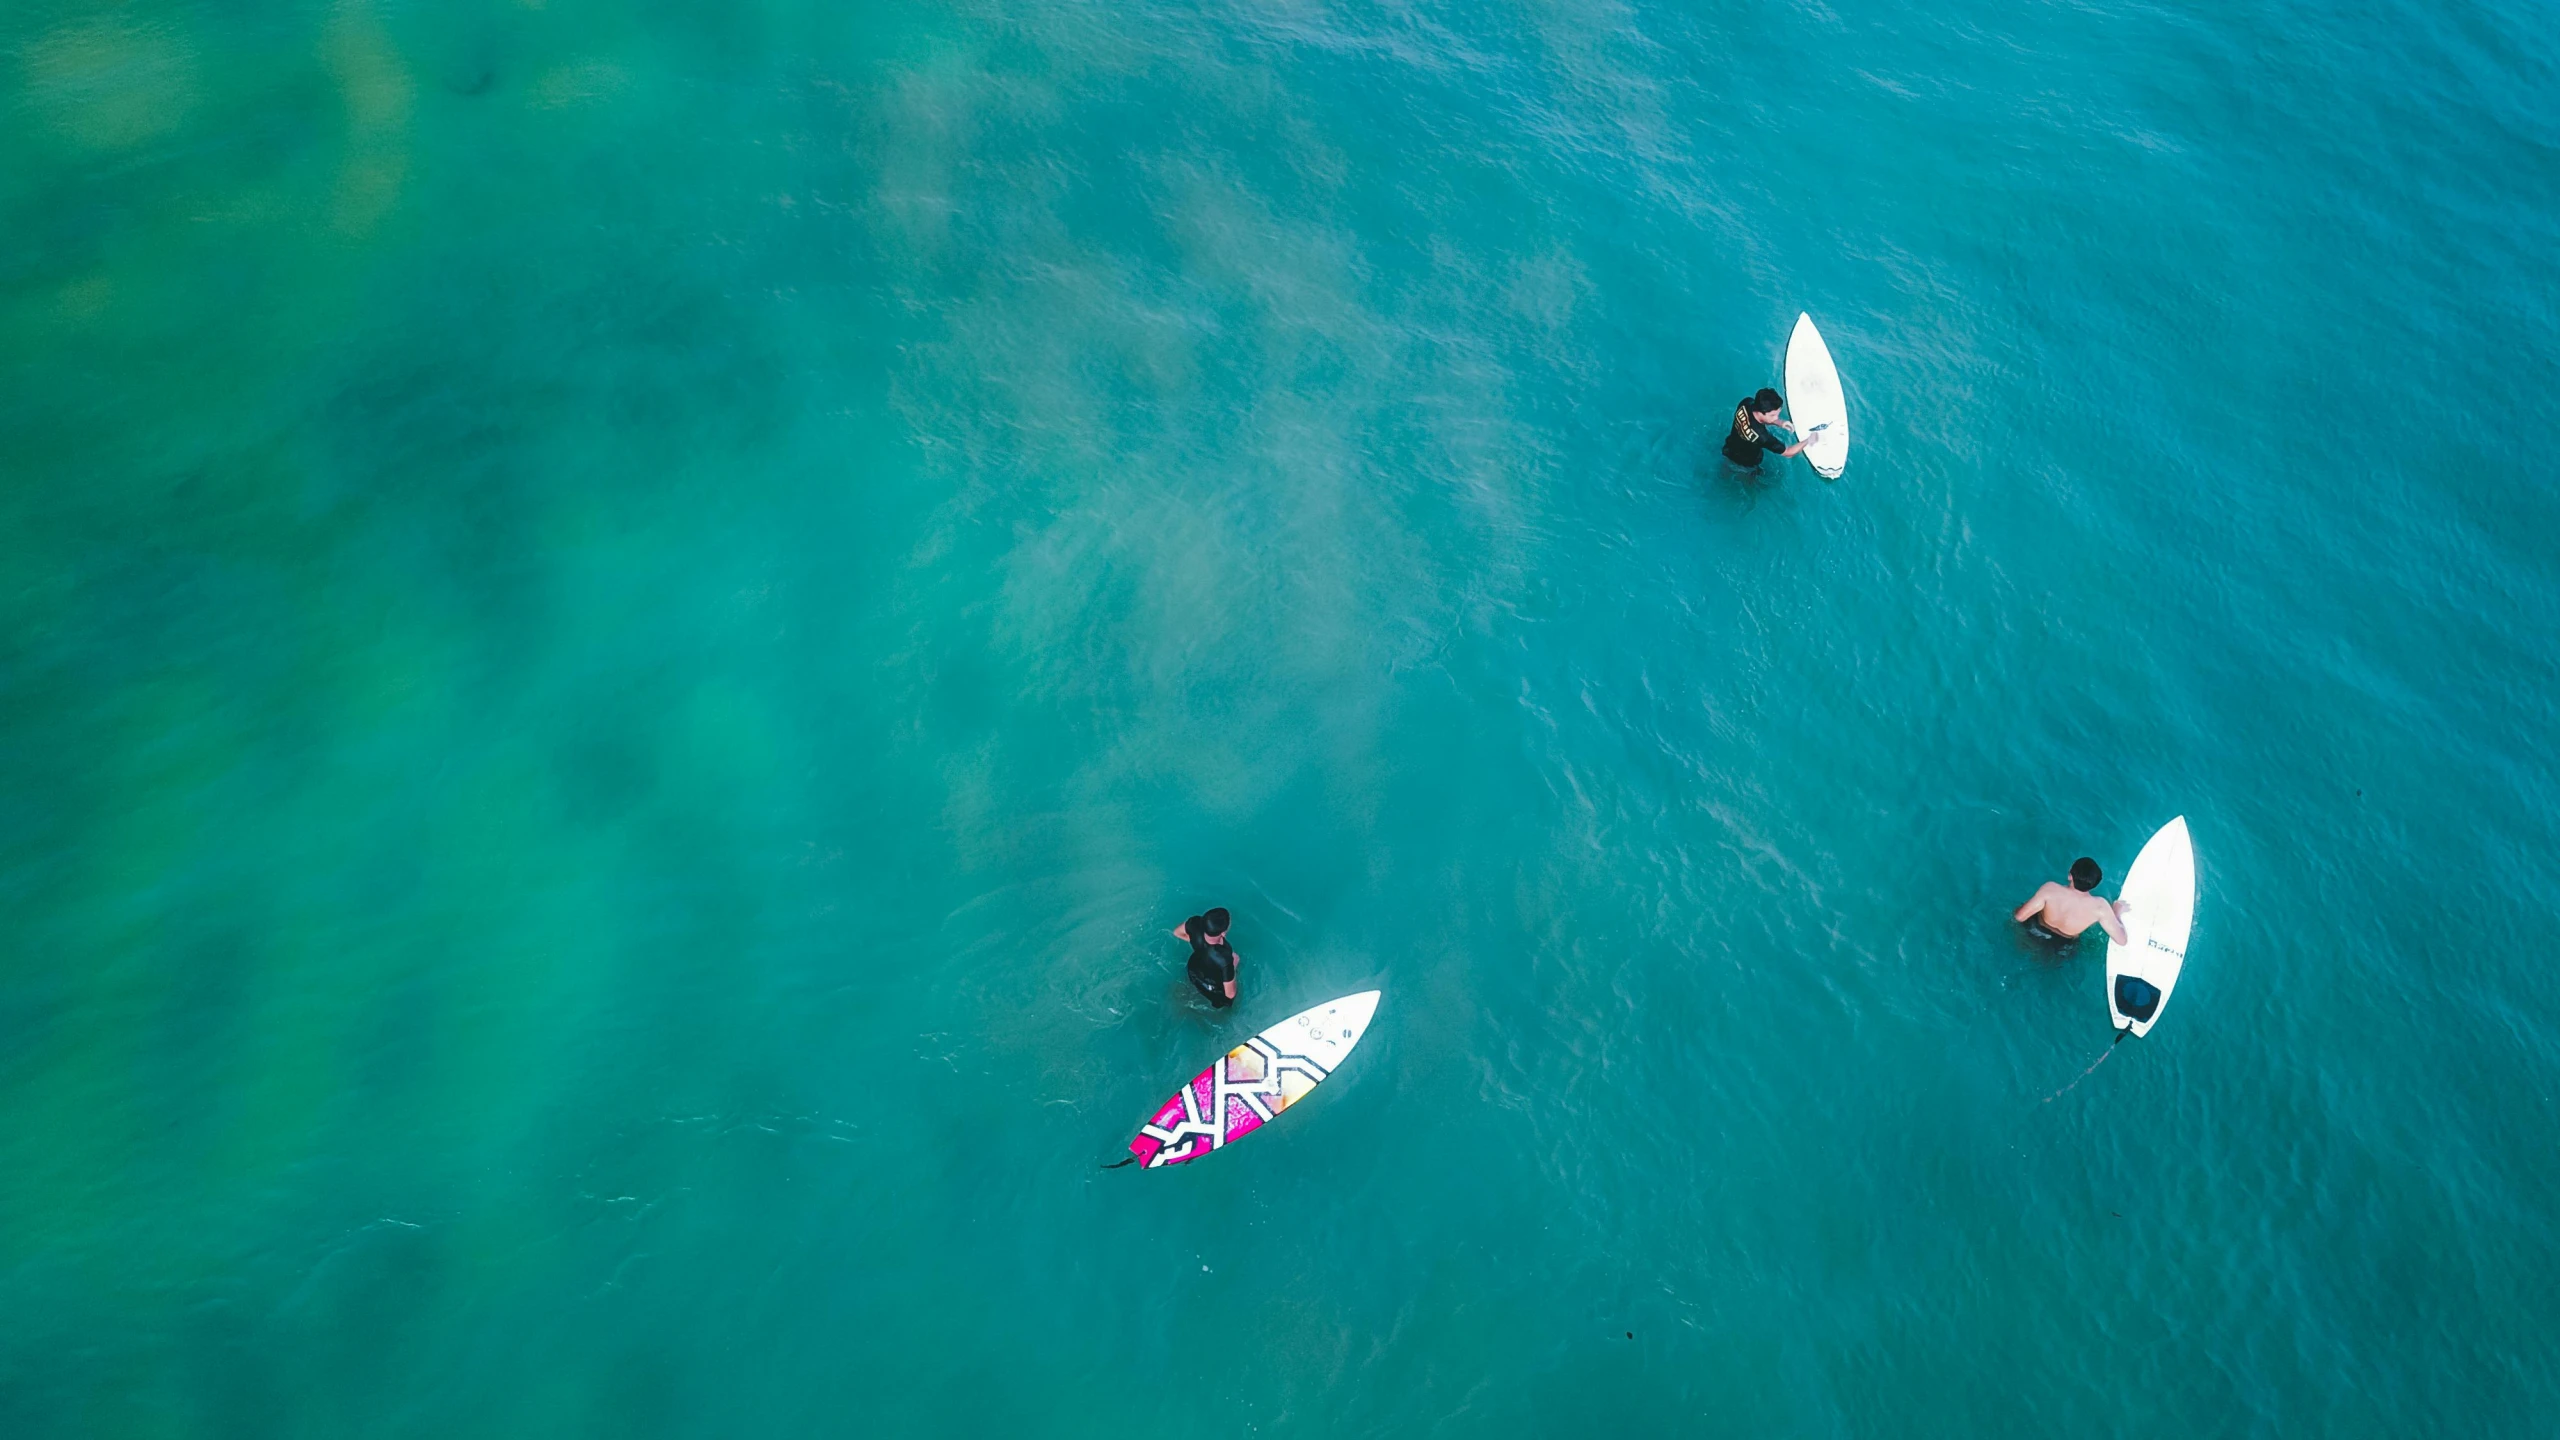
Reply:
x=1355 y=1011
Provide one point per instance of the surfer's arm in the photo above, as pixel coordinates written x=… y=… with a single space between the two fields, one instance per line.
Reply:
x=2034 y=905
x=2114 y=926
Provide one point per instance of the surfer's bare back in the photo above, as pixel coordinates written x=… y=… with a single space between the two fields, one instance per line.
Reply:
x=2063 y=911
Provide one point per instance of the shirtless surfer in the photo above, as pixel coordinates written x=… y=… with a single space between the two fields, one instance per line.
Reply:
x=2063 y=911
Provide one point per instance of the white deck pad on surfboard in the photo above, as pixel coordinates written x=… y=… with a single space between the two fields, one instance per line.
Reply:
x=2158 y=906
x=1814 y=401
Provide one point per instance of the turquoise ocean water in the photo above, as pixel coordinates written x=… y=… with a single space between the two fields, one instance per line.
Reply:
x=626 y=624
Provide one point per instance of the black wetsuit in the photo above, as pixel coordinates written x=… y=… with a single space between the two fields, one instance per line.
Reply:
x=1213 y=966
x=1749 y=438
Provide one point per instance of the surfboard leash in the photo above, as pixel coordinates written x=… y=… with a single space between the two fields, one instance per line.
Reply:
x=1132 y=1160
x=2093 y=1066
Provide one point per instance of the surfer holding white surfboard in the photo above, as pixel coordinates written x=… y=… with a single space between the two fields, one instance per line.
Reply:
x=2147 y=923
x=1821 y=422
x=2147 y=927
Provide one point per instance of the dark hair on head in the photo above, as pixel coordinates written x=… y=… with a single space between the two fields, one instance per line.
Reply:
x=1767 y=400
x=1218 y=919
x=2085 y=873
x=1195 y=927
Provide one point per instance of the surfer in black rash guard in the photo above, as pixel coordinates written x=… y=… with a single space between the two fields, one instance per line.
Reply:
x=1213 y=960
x=1753 y=415
x=2065 y=912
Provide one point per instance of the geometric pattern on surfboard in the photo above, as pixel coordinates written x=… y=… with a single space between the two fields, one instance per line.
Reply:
x=1250 y=1085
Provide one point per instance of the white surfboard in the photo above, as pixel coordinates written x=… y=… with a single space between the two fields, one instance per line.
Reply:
x=2158 y=906
x=1814 y=401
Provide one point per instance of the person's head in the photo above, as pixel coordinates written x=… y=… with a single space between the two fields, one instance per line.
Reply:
x=1767 y=404
x=1197 y=927
x=1217 y=919
x=2085 y=874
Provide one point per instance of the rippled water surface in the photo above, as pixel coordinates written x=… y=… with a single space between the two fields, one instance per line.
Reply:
x=625 y=626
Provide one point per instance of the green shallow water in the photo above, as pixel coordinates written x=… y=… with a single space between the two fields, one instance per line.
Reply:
x=625 y=627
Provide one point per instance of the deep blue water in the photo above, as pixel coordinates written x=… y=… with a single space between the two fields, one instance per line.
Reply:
x=627 y=624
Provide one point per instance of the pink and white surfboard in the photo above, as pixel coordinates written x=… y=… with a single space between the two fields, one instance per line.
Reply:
x=1254 y=1082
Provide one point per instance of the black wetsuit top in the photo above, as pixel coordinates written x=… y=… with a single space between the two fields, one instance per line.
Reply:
x=1213 y=964
x=1749 y=438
